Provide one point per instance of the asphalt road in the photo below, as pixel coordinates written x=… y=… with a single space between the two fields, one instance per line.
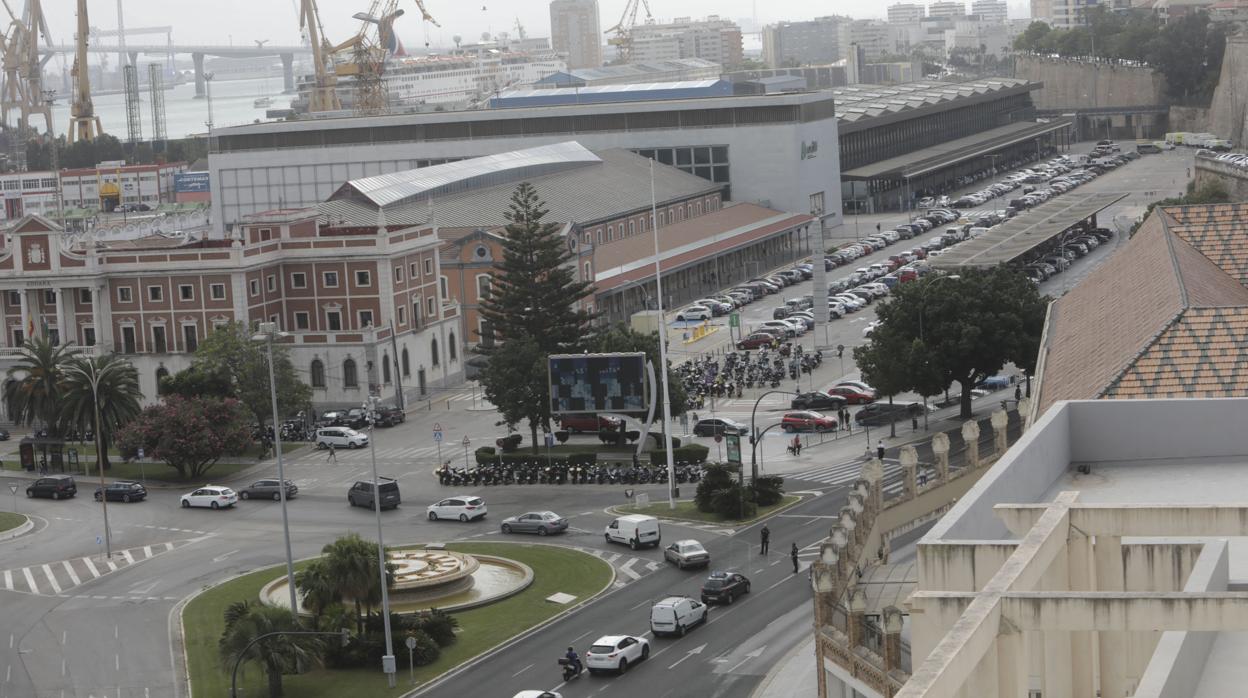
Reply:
x=108 y=635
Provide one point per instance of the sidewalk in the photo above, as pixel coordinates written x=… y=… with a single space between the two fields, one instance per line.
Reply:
x=793 y=676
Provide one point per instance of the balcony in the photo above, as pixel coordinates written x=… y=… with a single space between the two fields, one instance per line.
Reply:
x=13 y=353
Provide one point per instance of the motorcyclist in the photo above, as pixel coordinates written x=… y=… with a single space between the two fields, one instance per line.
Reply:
x=574 y=660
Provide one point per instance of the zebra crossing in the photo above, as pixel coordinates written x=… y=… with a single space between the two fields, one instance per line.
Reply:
x=847 y=472
x=57 y=578
x=363 y=455
x=628 y=568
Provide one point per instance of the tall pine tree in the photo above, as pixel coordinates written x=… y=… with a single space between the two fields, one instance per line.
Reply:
x=533 y=305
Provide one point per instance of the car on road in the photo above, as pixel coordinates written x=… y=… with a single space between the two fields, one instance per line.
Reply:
x=210 y=496
x=756 y=340
x=853 y=394
x=817 y=400
x=538 y=694
x=540 y=522
x=356 y=418
x=389 y=415
x=635 y=530
x=340 y=437
x=724 y=587
x=588 y=423
x=333 y=418
x=53 y=486
x=687 y=553
x=122 y=491
x=268 y=489
x=4 y=434
x=881 y=413
x=718 y=425
x=807 y=420
x=616 y=653
x=674 y=615
x=361 y=493
x=464 y=508
x=694 y=312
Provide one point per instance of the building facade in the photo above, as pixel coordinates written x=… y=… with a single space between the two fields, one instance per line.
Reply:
x=110 y=184
x=712 y=39
x=576 y=32
x=28 y=192
x=993 y=11
x=792 y=44
x=946 y=9
x=904 y=12
x=874 y=38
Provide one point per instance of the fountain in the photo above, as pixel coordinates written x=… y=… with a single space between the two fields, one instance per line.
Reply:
x=434 y=578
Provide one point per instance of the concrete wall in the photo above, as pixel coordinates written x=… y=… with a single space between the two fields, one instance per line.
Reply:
x=1234 y=179
x=1228 y=111
x=1192 y=119
x=1071 y=84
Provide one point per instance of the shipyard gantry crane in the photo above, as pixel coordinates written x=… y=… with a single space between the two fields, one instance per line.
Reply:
x=23 y=70
x=366 y=52
x=322 y=96
x=622 y=33
x=84 y=125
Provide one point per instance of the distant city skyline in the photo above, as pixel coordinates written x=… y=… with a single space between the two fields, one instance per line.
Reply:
x=243 y=21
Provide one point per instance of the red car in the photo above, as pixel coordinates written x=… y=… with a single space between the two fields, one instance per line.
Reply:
x=807 y=421
x=756 y=340
x=581 y=423
x=852 y=395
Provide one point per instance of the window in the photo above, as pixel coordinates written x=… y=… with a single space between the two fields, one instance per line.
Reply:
x=443 y=288
x=816 y=204
x=301 y=320
x=416 y=313
x=589 y=274
x=186 y=292
x=270 y=282
x=366 y=318
x=429 y=267
x=450 y=347
x=430 y=308
x=363 y=278
x=49 y=297
x=610 y=233
x=88 y=336
x=155 y=294
x=329 y=279
x=298 y=280
x=398 y=275
x=599 y=236
x=318 y=373
x=158 y=339
x=190 y=337
x=433 y=350
x=411 y=271
x=19 y=338
x=161 y=374
x=402 y=313
x=349 y=378
x=254 y=286
x=217 y=291
x=631 y=228
x=15 y=299
x=333 y=320
x=385 y=368
x=407 y=364
x=84 y=296
x=264 y=234
x=483 y=286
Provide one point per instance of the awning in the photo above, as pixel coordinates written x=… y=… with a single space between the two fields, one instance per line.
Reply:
x=937 y=157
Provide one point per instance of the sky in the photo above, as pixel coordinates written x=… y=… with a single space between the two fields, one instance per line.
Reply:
x=243 y=21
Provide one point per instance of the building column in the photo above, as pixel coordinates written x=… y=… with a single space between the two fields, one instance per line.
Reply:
x=62 y=336
x=25 y=319
x=1056 y=643
x=101 y=310
x=1079 y=552
x=1012 y=664
x=1111 y=646
x=95 y=316
x=198 y=60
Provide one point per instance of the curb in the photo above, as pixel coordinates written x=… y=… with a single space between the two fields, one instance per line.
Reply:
x=734 y=526
x=19 y=530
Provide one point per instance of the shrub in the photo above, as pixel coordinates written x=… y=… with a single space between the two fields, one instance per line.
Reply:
x=768 y=490
x=583 y=458
x=438 y=625
x=562 y=436
x=693 y=453
x=485 y=455
x=719 y=493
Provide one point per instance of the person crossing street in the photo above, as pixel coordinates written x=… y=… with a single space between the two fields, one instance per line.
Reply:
x=793 y=554
x=333 y=455
x=765 y=536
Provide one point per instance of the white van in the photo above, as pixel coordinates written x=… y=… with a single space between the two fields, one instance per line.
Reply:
x=676 y=614
x=635 y=530
x=340 y=437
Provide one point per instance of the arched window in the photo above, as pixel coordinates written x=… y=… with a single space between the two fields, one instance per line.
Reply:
x=433 y=350
x=483 y=287
x=161 y=374
x=407 y=364
x=450 y=347
x=349 y=379
x=318 y=373
x=385 y=368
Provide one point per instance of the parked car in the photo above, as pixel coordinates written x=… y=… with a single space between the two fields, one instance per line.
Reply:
x=356 y=418
x=852 y=394
x=588 y=423
x=718 y=425
x=881 y=413
x=542 y=523
x=818 y=400
x=616 y=653
x=687 y=553
x=463 y=508
x=756 y=340
x=361 y=493
x=268 y=488
x=53 y=486
x=390 y=415
x=122 y=491
x=807 y=421
x=694 y=312
x=724 y=587
x=210 y=496
x=340 y=437
x=675 y=614
x=4 y=434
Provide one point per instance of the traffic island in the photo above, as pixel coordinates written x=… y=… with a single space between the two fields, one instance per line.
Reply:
x=13 y=525
x=556 y=569
x=687 y=511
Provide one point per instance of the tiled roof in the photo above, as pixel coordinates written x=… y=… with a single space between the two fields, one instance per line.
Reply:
x=1204 y=353
x=1217 y=231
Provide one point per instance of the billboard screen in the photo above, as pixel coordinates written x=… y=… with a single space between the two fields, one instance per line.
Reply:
x=598 y=383
x=184 y=182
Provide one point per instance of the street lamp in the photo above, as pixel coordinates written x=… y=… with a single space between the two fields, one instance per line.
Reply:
x=667 y=397
x=93 y=377
x=208 y=83
x=267 y=332
x=387 y=662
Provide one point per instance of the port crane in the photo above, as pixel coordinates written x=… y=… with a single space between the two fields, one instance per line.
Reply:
x=366 y=52
x=322 y=96
x=23 y=70
x=84 y=125
x=622 y=33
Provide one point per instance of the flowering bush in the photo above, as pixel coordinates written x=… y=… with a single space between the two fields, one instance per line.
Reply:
x=188 y=434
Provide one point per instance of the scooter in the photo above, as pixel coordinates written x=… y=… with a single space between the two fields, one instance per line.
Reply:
x=570 y=670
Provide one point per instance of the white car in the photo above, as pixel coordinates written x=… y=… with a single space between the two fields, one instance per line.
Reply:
x=538 y=694
x=694 y=312
x=870 y=329
x=850 y=300
x=616 y=653
x=210 y=496
x=340 y=437
x=464 y=508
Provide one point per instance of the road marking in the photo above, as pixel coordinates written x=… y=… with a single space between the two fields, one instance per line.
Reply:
x=116 y=629
x=615 y=556
x=129 y=558
x=585 y=513
x=63 y=670
x=47 y=571
x=30 y=580
x=690 y=653
x=8 y=580
x=147 y=550
x=222 y=556
x=117 y=662
x=522 y=671
x=64 y=635
x=749 y=655
x=643 y=603
x=72 y=574
x=581 y=636
x=91 y=567
x=168 y=547
x=8 y=673
x=112 y=567
x=626 y=568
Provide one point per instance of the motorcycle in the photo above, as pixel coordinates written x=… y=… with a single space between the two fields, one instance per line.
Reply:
x=570 y=670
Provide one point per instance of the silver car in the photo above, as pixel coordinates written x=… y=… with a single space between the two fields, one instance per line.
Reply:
x=687 y=553
x=540 y=522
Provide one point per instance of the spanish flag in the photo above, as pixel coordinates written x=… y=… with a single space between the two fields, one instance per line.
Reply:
x=30 y=325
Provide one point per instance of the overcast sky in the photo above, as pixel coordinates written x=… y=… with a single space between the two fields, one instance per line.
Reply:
x=242 y=21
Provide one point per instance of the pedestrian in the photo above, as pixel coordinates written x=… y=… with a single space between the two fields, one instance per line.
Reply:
x=765 y=536
x=333 y=455
x=793 y=554
x=879 y=449
x=797 y=445
x=1018 y=393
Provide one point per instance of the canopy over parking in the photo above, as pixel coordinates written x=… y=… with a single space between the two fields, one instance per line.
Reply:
x=1018 y=236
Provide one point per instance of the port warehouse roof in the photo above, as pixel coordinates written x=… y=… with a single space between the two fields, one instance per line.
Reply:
x=630 y=72
x=597 y=94
x=1018 y=236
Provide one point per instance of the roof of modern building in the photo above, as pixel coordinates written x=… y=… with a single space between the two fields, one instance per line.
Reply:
x=920 y=162
x=592 y=186
x=630 y=71
x=1166 y=316
x=623 y=92
x=856 y=102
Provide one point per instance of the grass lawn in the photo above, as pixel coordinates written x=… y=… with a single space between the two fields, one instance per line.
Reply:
x=555 y=569
x=686 y=511
x=9 y=520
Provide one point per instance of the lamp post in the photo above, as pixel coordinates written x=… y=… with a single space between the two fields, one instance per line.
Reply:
x=754 y=437
x=667 y=397
x=208 y=83
x=93 y=377
x=267 y=332
x=388 y=665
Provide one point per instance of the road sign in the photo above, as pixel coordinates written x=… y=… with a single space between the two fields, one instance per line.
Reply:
x=718 y=438
x=13 y=489
x=734 y=319
x=734 y=448
x=410 y=642
x=99 y=540
x=437 y=435
x=437 y=426
x=466 y=441
x=140 y=454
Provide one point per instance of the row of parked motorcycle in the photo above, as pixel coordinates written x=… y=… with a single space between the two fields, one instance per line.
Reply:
x=539 y=473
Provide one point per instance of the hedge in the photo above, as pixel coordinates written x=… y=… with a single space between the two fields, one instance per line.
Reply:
x=693 y=453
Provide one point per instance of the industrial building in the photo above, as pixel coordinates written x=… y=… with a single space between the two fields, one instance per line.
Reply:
x=641 y=92
x=676 y=70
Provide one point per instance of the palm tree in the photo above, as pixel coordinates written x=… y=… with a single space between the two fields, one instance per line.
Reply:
x=351 y=563
x=317 y=589
x=280 y=654
x=114 y=381
x=32 y=391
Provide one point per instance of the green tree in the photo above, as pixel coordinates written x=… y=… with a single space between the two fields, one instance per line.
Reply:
x=188 y=434
x=971 y=326
x=33 y=390
x=534 y=299
x=719 y=492
x=515 y=382
x=889 y=366
x=317 y=589
x=351 y=566
x=278 y=654
x=1033 y=37
x=622 y=338
x=117 y=389
x=230 y=354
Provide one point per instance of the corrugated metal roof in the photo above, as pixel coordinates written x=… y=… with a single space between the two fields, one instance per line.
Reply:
x=609 y=89
x=854 y=102
x=422 y=183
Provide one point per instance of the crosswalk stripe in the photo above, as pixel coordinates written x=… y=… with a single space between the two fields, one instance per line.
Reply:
x=47 y=571
x=8 y=580
x=91 y=566
x=147 y=551
x=168 y=547
x=614 y=557
x=30 y=580
x=72 y=574
x=112 y=566
x=627 y=568
x=129 y=558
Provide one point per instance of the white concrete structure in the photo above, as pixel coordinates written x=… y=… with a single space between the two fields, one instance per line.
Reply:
x=713 y=38
x=995 y=11
x=947 y=9
x=906 y=12
x=993 y=38
x=576 y=32
x=1101 y=555
x=777 y=150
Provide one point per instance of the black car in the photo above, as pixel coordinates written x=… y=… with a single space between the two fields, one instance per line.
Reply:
x=267 y=489
x=881 y=413
x=818 y=400
x=356 y=419
x=724 y=587
x=122 y=491
x=333 y=418
x=718 y=425
x=389 y=416
x=361 y=493
x=54 y=486
x=4 y=434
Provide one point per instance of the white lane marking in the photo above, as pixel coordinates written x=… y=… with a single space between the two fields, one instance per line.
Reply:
x=690 y=653
x=522 y=671
x=30 y=580
x=581 y=636
x=585 y=513
x=47 y=572
x=147 y=550
x=749 y=655
x=168 y=547
x=614 y=557
x=117 y=662
x=91 y=567
x=64 y=636
x=222 y=556
x=626 y=568
x=129 y=558
x=70 y=571
x=112 y=566
x=8 y=580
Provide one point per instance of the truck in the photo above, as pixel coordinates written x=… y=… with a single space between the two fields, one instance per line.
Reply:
x=1177 y=137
